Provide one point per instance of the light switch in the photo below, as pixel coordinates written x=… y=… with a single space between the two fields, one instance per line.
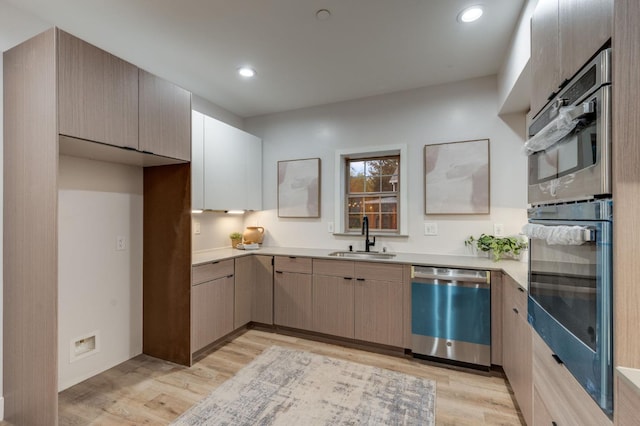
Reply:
x=196 y=228
x=430 y=228
x=498 y=230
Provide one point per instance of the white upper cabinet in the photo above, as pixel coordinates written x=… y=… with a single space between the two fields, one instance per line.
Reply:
x=228 y=162
x=197 y=160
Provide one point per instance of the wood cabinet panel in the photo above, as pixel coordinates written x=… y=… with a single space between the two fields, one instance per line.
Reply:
x=626 y=175
x=541 y=416
x=378 y=313
x=30 y=302
x=333 y=305
x=212 y=311
x=167 y=263
x=211 y=271
x=262 y=292
x=244 y=277
x=164 y=117
x=97 y=94
x=293 y=264
x=496 y=317
x=378 y=271
x=627 y=403
x=516 y=344
x=545 y=53
x=565 y=400
x=292 y=300
x=585 y=26
x=334 y=268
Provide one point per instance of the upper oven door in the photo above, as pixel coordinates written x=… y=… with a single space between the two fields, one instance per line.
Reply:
x=576 y=167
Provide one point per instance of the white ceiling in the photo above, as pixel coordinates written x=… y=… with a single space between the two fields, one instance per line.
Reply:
x=366 y=47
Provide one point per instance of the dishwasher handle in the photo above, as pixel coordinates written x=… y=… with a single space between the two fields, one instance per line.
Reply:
x=451 y=275
x=445 y=278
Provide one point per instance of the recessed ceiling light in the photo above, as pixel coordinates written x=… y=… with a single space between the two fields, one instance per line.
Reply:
x=470 y=14
x=247 y=72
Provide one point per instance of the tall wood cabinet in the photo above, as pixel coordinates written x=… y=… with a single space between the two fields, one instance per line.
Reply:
x=565 y=34
x=56 y=86
x=516 y=345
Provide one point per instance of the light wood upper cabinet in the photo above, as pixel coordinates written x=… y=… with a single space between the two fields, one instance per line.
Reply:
x=516 y=345
x=545 y=53
x=565 y=34
x=165 y=118
x=232 y=168
x=97 y=94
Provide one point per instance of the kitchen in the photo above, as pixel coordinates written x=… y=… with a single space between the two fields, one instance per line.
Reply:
x=406 y=115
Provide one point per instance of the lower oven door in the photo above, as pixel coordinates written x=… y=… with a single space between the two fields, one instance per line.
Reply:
x=570 y=302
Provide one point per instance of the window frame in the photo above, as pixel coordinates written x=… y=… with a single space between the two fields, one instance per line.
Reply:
x=340 y=193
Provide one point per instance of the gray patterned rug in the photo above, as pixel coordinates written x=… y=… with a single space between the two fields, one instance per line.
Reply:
x=289 y=387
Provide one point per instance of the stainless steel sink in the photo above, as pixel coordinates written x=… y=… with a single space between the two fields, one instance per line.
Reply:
x=362 y=255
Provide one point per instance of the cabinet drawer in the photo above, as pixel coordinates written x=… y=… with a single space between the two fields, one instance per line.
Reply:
x=212 y=271
x=378 y=271
x=333 y=268
x=293 y=264
x=565 y=400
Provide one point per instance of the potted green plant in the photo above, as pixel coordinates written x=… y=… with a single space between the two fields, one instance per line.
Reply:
x=497 y=246
x=236 y=238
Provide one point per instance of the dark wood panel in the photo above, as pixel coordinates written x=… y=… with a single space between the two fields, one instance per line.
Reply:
x=167 y=263
x=30 y=361
x=165 y=117
x=626 y=182
x=97 y=94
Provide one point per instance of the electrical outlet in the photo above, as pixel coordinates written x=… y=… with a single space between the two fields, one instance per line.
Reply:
x=196 y=228
x=498 y=230
x=121 y=243
x=430 y=228
x=330 y=227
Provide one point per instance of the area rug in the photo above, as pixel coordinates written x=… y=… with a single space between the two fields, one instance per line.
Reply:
x=290 y=387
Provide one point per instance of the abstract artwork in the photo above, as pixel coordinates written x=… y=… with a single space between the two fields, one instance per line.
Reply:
x=456 y=177
x=299 y=188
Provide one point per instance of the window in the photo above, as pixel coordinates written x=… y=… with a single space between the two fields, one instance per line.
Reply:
x=372 y=189
x=371 y=181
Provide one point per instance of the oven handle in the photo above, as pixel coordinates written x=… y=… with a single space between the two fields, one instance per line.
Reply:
x=559 y=234
x=568 y=119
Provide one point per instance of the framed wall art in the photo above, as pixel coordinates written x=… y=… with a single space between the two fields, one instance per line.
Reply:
x=456 y=177
x=299 y=188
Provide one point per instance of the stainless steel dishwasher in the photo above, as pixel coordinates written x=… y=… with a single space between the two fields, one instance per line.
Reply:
x=451 y=314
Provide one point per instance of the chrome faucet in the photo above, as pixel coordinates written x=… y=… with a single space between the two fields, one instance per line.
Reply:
x=365 y=231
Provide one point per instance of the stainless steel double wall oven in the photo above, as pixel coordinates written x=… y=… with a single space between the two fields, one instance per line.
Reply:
x=570 y=228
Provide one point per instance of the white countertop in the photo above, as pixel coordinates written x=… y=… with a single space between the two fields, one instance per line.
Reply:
x=514 y=268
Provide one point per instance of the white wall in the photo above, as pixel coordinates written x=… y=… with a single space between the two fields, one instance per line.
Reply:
x=446 y=113
x=99 y=288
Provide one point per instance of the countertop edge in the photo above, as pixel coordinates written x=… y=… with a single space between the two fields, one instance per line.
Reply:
x=631 y=376
x=515 y=269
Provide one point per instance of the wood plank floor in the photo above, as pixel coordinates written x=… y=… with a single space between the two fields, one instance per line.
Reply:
x=145 y=390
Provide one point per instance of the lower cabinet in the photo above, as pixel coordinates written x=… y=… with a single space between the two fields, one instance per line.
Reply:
x=627 y=410
x=516 y=345
x=333 y=297
x=244 y=278
x=262 y=290
x=378 y=298
x=212 y=303
x=558 y=397
x=292 y=292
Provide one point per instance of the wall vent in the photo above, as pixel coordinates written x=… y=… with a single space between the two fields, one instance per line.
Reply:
x=84 y=346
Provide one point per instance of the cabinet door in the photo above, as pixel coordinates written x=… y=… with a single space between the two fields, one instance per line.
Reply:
x=262 y=292
x=292 y=300
x=97 y=94
x=378 y=311
x=197 y=160
x=333 y=305
x=244 y=278
x=545 y=53
x=212 y=316
x=585 y=26
x=165 y=118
